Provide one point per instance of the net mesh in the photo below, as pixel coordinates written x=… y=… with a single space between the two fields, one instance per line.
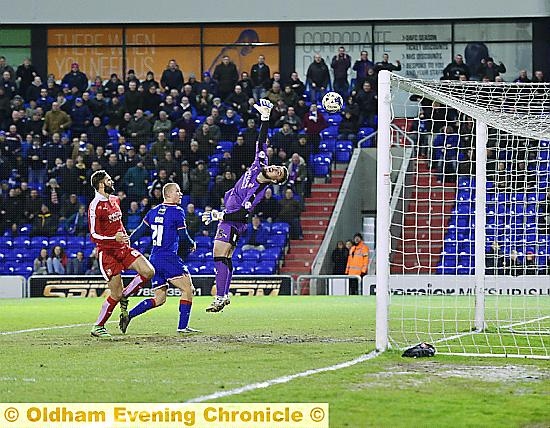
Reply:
x=433 y=224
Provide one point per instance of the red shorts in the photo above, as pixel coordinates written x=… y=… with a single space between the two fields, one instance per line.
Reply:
x=113 y=262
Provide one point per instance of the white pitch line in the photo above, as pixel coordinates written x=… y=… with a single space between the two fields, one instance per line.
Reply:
x=283 y=379
x=30 y=330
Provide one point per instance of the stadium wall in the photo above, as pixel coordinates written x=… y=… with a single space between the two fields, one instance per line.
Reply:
x=172 y=11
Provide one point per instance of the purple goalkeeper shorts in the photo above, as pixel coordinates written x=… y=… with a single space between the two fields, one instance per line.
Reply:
x=230 y=231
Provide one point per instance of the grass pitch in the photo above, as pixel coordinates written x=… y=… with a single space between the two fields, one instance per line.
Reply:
x=257 y=339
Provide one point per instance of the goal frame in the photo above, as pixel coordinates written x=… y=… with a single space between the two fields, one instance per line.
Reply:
x=383 y=222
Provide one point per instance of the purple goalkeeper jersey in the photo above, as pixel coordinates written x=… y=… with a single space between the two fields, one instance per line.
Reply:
x=247 y=192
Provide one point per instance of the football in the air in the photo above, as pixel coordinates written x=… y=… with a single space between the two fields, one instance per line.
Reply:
x=332 y=102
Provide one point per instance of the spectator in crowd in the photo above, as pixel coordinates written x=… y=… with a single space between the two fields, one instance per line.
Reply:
x=224 y=183
x=284 y=138
x=341 y=63
x=317 y=78
x=149 y=82
x=361 y=67
x=40 y=265
x=385 y=64
x=289 y=97
x=268 y=208
x=133 y=99
x=183 y=178
x=44 y=224
x=133 y=217
x=168 y=164
x=77 y=265
x=260 y=74
x=200 y=179
x=136 y=180
x=314 y=123
x=69 y=207
x=138 y=129
x=296 y=84
x=57 y=262
x=230 y=124
x=367 y=100
x=192 y=220
x=77 y=223
x=456 y=68
x=227 y=76
x=522 y=77
x=207 y=138
x=76 y=78
x=203 y=102
x=494 y=260
x=348 y=127
x=25 y=75
x=238 y=100
x=246 y=85
x=33 y=204
x=292 y=119
x=93 y=262
x=97 y=133
x=297 y=174
x=4 y=66
x=511 y=265
x=538 y=77
x=172 y=77
x=289 y=212
x=56 y=121
x=489 y=69
x=255 y=236
x=242 y=156
x=33 y=91
x=159 y=182
x=340 y=259
x=530 y=265
x=274 y=94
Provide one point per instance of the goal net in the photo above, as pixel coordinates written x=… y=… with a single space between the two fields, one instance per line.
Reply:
x=463 y=242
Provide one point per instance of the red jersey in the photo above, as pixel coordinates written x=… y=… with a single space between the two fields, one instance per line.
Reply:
x=105 y=220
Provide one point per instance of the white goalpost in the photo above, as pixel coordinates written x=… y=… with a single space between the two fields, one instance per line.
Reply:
x=463 y=242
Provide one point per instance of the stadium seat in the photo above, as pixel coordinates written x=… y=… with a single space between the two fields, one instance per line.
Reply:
x=224 y=146
x=245 y=268
x=264 y=269
x=22 y=243
x=252 y=255
x=280 y=228
x=276 y=241
x=331 y=131
x=327 y=145
x=334 y=119
x=204 y=242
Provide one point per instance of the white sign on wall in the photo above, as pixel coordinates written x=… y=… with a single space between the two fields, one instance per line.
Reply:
x=12 y=287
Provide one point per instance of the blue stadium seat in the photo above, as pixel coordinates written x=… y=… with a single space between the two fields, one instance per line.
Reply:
x=22 y=243
x=224 y=146
x=245 y=268
x=334 y=119
x=331 y=131
x=204 y=242
x=252 y=255
x=276 y=241
x=264 y=269
x=327 y=145
x=280 y=228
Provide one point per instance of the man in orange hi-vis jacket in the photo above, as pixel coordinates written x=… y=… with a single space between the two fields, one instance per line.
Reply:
x=358 y=259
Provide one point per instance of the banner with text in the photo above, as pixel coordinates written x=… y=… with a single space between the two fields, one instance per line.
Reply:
x=94 y=286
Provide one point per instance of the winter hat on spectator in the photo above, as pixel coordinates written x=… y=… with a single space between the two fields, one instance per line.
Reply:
x=185 y=163
x=206 y=74
x=74 y=64
x=78 y=100
x=131 y=71
x=53 y=182
x=192 y=76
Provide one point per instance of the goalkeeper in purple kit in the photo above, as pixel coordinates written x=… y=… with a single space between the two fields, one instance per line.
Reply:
x=239 y=203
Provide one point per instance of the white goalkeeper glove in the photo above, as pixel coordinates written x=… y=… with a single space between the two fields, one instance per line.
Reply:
x=264 y=109
x=210 y=216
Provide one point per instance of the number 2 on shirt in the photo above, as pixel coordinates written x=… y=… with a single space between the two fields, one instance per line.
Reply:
x=158 y=229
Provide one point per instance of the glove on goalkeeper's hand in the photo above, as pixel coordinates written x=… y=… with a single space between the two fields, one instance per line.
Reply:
x=264 y=109
x=210 y=216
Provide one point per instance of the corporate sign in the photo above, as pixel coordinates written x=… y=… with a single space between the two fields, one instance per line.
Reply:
x=94 y=286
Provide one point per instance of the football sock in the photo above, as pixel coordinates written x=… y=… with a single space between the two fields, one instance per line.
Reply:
x=134 y=286
x=228 y=278
x=142 y=307
x=185 y=313
x=106 y=310
x=222 y=272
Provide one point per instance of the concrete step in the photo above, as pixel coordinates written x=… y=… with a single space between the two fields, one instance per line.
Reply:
x=321 y=209
x=317 y=224
x=325 y=194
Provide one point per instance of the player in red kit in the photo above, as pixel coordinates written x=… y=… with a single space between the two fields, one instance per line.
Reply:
x=114 y=251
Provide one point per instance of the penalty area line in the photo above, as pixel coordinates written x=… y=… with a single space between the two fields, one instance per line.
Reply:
x=284 y=379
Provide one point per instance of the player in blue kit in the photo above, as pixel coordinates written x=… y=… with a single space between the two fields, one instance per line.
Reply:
x=239 y=203
x=167 y=223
